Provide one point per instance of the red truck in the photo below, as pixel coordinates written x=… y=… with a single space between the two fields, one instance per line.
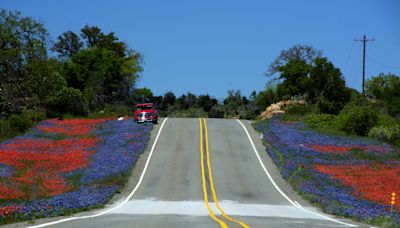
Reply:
x=145 y=112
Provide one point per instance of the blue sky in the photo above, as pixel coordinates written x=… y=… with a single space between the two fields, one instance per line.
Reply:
x=214 y=46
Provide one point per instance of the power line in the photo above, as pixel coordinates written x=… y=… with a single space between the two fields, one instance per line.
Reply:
x=364 y=40
x=381 y=64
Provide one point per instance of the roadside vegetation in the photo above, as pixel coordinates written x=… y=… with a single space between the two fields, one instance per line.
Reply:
x=61 y=150
x=64 y=167
x=90 y=74
x=341 y=149
x=348 y=176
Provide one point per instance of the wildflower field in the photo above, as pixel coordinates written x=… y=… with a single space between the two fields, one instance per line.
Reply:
x=346 y=176
x=61 y=167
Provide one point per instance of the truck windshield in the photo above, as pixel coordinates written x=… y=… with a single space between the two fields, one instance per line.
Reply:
x=144 y=108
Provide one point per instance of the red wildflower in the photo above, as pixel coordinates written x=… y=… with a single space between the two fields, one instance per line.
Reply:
x=42 y=162
x=71 y=126
x=8 y=210
x=373 y=183
x=10 y=193
x=341 y=149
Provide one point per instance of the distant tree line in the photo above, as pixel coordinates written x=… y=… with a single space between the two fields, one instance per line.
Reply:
x=235 y=105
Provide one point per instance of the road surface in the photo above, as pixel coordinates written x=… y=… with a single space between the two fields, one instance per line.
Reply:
x=176 y=190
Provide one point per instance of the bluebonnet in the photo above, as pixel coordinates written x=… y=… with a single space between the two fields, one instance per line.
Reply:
x=5 y=170
x=121 y=143
x=287 y=147
x=84 y=197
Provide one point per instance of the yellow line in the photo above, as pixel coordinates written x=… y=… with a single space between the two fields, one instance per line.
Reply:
x=203 y=178
x=212 y=182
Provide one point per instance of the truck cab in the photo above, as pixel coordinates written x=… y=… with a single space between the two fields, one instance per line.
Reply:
x=145 y=112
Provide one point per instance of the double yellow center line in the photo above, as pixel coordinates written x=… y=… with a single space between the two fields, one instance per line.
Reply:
x=221 y=222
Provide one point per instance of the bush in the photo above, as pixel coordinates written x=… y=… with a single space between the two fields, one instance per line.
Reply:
x=67 y=100
x=296 y=109
x=17 y=124
x=112 y=110
x=321 y=121
x=217 y=111
x=357 y=119
x=248 y=112
x=20 y=123
x=189 y=113
x=7 y=109
x=389 y=134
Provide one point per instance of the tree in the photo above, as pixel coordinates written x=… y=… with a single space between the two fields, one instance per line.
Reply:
x=187 y=101
x=106 y=71
x=143 y=95
x=44 y=80
x=169 y=98
x=295 y=76
x=92 y=35
x=385 y=87
x=327 y=87
x=206 y=102
x=68 y=44
x=266 y=97
x=297 y=53
x=23 y=42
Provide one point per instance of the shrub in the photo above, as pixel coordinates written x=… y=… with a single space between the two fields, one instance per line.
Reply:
x=67 y=100
x=389 y=134
x=217 y=111
x=17 y=124
x=357 y=119
x=247 y=112
x=296 y=109
x=20 y=123
x=7 y=109
x=321 y=121
x=385 y=120
x=189 y=113
x=112 y=110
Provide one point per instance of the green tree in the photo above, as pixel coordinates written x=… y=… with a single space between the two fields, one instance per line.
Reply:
x=327 y=87
x=94 y=37
x=187 y=101
x=385 y=87
x=101 y=74
x=295 y=78
x=232 y=102
x=297 y=53
x=44 y=80
x=206 y=102
x=68 y=44
x=266 y=97
x=23 y=44
x=169 y=98
x=143 y=95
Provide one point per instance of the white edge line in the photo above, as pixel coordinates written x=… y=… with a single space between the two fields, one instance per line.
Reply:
x=279 y=190
x=123 y=202
x=297 y=203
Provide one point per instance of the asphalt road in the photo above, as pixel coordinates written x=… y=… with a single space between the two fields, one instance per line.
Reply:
x=171 y=193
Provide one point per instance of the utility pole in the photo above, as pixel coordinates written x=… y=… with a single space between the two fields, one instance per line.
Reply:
x=364 y=40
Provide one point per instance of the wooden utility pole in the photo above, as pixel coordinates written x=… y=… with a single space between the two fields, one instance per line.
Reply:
x=364 y=40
